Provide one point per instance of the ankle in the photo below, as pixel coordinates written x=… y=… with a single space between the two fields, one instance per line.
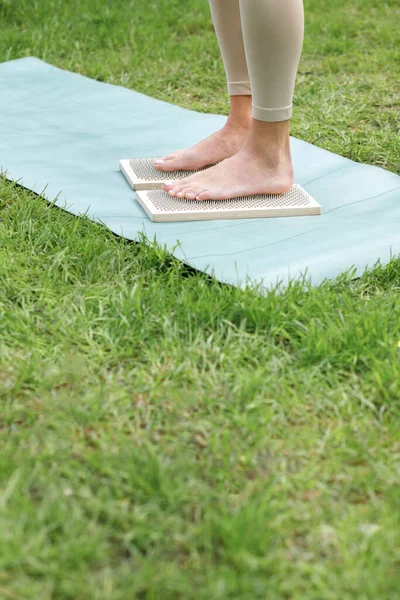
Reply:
x=270 y=140
x=267 y=147
x=237 y=127
x=240 y=113
x=270 y=155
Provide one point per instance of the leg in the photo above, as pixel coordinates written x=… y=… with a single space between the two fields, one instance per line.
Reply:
x=273 y=36
x=228 y=27
x=229 y=140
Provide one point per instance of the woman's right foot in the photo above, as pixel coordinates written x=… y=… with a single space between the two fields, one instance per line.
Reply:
x=217 y=147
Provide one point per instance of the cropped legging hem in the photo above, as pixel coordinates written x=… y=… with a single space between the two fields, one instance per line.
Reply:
x=272 y=114
x=239 y=88
x=243 y=88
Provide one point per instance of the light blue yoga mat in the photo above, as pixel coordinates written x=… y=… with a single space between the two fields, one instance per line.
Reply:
x=65 y=133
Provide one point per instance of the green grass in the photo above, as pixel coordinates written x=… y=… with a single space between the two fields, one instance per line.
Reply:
x=164 y=436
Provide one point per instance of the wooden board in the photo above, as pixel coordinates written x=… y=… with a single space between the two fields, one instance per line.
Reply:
x=141 y=173
x=161 y=207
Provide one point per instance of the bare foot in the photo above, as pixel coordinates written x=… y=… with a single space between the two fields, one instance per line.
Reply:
x=248 y=172
x=220 y=145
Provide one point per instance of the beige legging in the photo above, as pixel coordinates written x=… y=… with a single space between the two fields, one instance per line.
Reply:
x=261 y=43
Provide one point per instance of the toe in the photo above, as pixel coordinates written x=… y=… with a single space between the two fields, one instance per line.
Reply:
x=166 y=165
x=161 y=166
x=187 y=192
x=167 y=157
x=190 y=195
x=204 y=195
x=159 y=163
x=192 y=190
x=172 y=185
x=175 y=190
x=180 y=184
x=170 y=162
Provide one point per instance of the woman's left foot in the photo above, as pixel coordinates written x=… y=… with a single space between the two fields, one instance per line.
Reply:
x=246 y=173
